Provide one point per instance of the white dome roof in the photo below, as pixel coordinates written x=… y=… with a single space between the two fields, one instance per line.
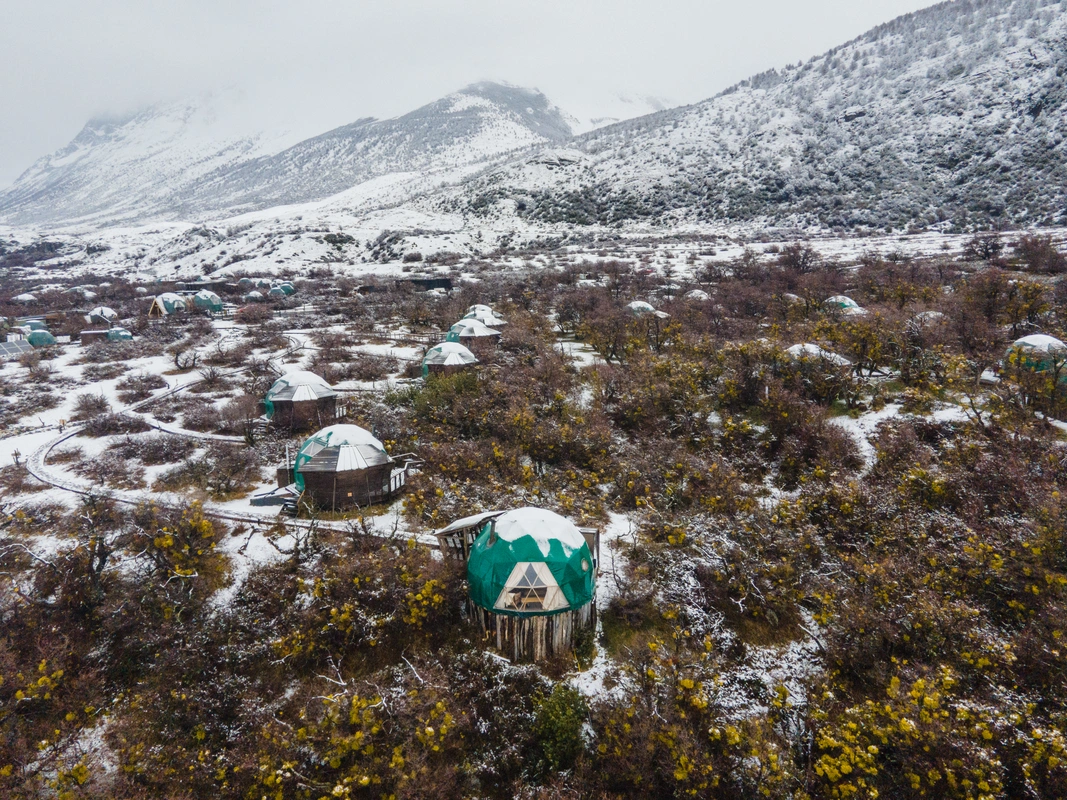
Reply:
x=1042 y=342
x=472 y=327
x=301 y=384
x=104 y=312
x=449 y=354
x=808 y=350
x=540 y=524
x=338 y=435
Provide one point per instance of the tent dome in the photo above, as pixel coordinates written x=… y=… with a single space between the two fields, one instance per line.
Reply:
x=41 y=338
x=841 y=301
x=339 y=448
x=638 y=307
x=208 y=300
x=1038 y=351
x=119 y=335
x=467 y=328
x=26 y=298
x=448 y=354
x=480 y=307
x=530 y=562
x=1041 y=343
x=697 y=294
x=287 y=288
x=810 y=351
x=103 y=314
x=486 y=318
x=298 y=385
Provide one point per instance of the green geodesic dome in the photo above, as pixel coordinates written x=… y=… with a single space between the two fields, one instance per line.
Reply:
x=119 y=335
x=530 y=562
x=447 y=354
x=340 y=448
x=41 y=338
x=1038 y=352
x=287 y=288
x=207 y=300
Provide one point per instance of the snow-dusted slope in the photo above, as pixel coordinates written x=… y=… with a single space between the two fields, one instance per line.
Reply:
x=178 y=162
x=124 y=167
x=952 y=115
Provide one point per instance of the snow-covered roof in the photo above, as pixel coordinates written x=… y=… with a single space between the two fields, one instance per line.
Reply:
x=640 y=307
x=104 y=312
x=809 y=350
x=469 y=522
x=697 y=294
x=541 y=525
x=486 y=318
x=449 y=354
x=307 y=385
x=340 y=448
x=480 y=307
x=25 y=297
x=926 y=317
x=1041 y=342
x=842 y=301
x=472 y=327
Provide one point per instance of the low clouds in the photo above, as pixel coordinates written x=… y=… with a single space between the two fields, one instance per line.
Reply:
x=320 y=63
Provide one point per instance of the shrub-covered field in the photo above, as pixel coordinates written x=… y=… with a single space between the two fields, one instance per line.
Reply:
x=819 y=579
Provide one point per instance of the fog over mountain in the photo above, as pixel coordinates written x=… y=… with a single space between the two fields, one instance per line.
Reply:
x=948 y=117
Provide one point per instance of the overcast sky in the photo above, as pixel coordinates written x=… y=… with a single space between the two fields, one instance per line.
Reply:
x=315 y=64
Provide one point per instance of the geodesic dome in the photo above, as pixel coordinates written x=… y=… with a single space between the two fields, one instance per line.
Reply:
x=103 y=314
x=41 y=338
x=808 y=351
x=841 y=301
x=470 y=328
x=639 y=307
x=287 y=288
x=697 y=294
x=530 y=562
x=1038 y=351
x=338 y=448
x=119 y=335
x=207 y=300
x=485 y=317
x=447 y=354
x=297 y=386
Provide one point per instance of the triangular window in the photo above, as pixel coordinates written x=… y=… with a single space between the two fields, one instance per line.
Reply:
x=531 y=587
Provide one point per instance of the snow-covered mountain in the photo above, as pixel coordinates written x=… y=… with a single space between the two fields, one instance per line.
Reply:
x=949 y=116
x=178 y=161
x=943 y=119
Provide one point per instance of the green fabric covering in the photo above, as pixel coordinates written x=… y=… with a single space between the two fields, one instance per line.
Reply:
x=41 y=338
x=119 y=335
x=491 y=564
x=208 y=301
